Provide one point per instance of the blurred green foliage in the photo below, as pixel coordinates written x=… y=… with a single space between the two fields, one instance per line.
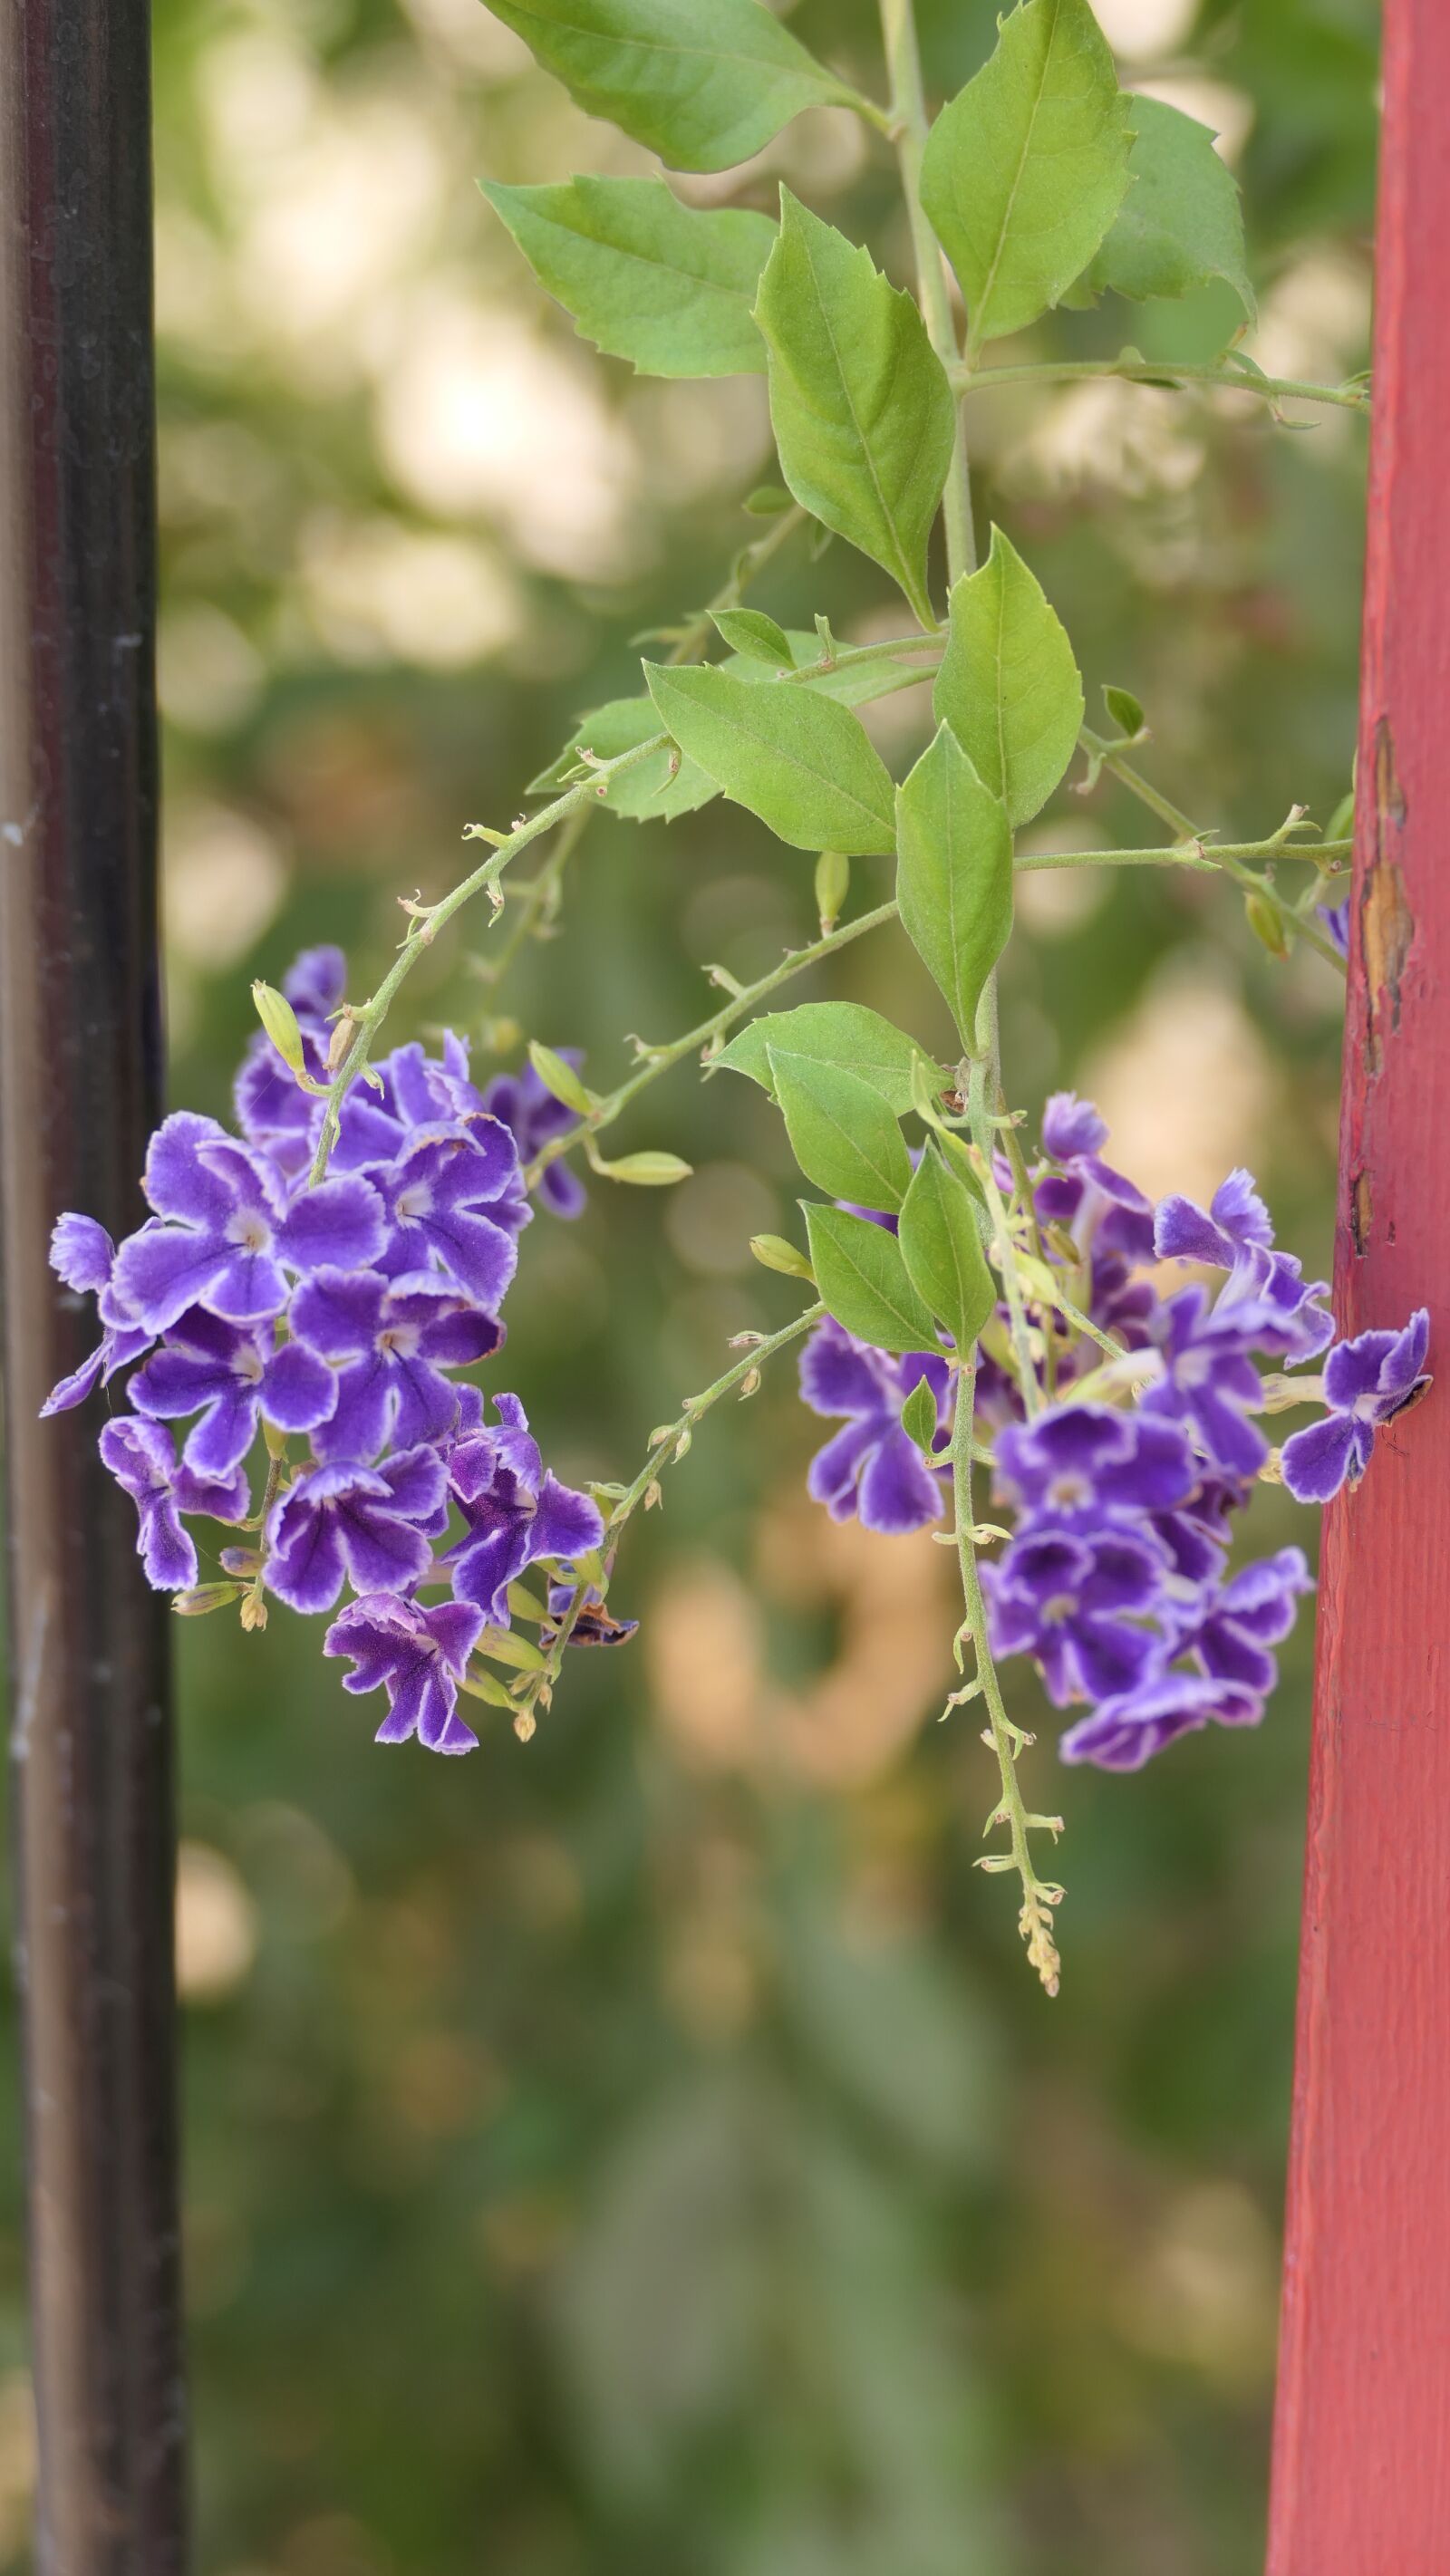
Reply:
x=644 y=2152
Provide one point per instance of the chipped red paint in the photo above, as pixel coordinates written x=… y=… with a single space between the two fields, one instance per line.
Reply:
x=1361 y=2481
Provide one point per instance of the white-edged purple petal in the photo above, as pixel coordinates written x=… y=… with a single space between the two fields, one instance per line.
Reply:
x=566 y=1523
x=1316 y=1461
x=81 y=1253
x=176 y=1181
x=337 y=1225
x=898 y=1492
x=298 y=1390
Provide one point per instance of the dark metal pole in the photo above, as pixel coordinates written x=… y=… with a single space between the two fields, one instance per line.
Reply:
x=80 y=1069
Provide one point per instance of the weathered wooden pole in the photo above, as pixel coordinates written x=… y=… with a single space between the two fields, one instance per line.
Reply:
x=1362 y=2437
x=80 y=1073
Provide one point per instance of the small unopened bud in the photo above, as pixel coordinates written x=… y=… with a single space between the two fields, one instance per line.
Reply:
x=560 y=1078
x=254 y=1611
x=833 y=884
x=647 y=1171
x=204 y=1598
x=653 y=1494
x=683 y=1445
x=749 y=1384
x=280 y=1022
x=340 y=1039
x=1267 y=924
x=774 y=1253
x=524 y=1725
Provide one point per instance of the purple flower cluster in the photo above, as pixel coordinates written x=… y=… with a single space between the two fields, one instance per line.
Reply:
x=1116 y=1578
x=331 y=1317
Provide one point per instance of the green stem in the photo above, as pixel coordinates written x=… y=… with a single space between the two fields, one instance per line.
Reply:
x=1229 y=856
x=1146 y=371
x=665 y=1448
x=740 y=1004
x=911 y=126
x=1038 y=1897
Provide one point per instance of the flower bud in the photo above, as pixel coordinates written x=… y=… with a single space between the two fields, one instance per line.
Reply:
x=203 y=1598
x=280 y=1022
x=1267 y=924
x=560 y=1078
x=774 y=1253
x=646 y=1171
x=833 y=884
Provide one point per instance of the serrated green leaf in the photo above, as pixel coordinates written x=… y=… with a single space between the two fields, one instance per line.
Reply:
x=919 y=1417
x=862 y=1277
x=1008 y=684
x=750 y=632
x=942 y=1250
x=796 y=759
x=702 y=87
x=1181 y=222
x=859 y=401
x=840 y=1033
x=1026 y=168
x=841 y=1132
x=954 y=874
x=667 y=286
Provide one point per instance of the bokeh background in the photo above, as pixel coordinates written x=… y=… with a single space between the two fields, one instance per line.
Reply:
x=645 y=2153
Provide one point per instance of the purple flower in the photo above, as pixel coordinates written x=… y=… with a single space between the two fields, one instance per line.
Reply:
x=1095 y=1204
x=232 y=1375
x=1335 y=918
x=1082 y=1464
x=397 y=1336
x=1209 y=1379
x=372 y=1524
x=418 y=1657
x=1254 y=1610
x=142 y=1460
x=1124 y=1732
x=534 y=1118
x=872 y=1468
x=1367 y=1381
x=83 y=1257
x=1071 y=1602
x=230 y=1232
x=1235 y=1234
x=453 y=1202
x=515 y=1511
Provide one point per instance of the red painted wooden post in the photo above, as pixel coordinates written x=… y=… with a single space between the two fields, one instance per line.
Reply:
x=1362 y=2438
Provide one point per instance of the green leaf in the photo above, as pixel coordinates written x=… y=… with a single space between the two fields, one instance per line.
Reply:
x=799 y=761
x=833 y=1033
x=1126 y=710
x=862 y=1277
x=841 y=1132
x=704 y=87
x=954 y=874
x=1026 y=168
x=1181 y=222
x=766 y=501
x=650 y=793
x=667 y=286
x=1008 y=685
x=918 y=1418
x=859 y=401
x=942 y=1250
x=750 y=632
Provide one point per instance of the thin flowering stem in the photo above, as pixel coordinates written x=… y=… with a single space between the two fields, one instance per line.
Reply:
x=1038 y=1896
x=1231 y=858
x=668 y=1445
x=1219 y=375
x=694 y=639
x=658 y=1060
